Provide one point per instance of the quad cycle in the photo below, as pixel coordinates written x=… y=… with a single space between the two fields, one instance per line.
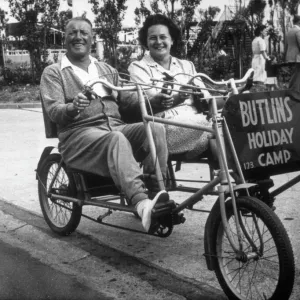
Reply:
x=245 y=243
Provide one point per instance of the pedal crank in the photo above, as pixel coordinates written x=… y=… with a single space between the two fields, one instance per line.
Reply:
x=102 y=217
x=164 y=219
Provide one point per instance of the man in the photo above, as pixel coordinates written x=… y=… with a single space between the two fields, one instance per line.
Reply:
x=293 y=57
x=92 y=136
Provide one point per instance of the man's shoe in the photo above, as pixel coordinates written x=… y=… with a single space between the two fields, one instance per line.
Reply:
x=144 y=208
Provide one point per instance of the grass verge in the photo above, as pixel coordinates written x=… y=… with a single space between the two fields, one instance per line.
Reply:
x=19 y=94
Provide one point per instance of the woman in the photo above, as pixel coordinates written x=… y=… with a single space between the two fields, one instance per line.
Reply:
x=160 y=36
x=259 y=56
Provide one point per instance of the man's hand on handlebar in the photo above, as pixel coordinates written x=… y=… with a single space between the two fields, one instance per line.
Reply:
x=80 y=102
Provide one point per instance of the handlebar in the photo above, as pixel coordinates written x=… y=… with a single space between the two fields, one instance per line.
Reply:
x=232 y=82
x=248 y=74
x=107 y=84
x=134 y=85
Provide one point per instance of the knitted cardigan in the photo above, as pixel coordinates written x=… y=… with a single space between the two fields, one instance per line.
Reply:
x=59 y=87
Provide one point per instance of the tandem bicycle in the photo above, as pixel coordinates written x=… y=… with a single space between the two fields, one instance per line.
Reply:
x=245 y=242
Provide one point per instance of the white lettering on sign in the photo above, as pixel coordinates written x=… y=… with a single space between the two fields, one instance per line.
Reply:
x=274 y=158
x=270 y=138
x=252 y=112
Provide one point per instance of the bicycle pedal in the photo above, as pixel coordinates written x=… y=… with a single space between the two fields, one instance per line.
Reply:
x=163 y=208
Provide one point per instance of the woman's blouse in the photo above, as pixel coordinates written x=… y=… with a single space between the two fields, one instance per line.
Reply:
x=258 y=45
x=146 y=68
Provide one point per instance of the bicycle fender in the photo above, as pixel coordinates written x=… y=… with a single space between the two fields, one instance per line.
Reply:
x=208 y=246
x=45 y=153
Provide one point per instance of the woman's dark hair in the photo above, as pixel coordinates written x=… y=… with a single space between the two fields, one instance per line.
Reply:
x=258 y=30
x=159 y=19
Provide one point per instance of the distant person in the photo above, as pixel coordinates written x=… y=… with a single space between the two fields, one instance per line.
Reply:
x=259 y=56
x=293 y=56
x=92 y=136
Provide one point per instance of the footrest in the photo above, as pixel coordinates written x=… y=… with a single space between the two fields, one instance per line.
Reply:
x=161 y=209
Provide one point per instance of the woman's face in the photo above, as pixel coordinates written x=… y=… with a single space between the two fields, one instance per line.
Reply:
x=263 y=33
x=159 y=41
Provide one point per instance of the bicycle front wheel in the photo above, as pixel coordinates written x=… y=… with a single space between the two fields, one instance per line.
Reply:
x=265 y=268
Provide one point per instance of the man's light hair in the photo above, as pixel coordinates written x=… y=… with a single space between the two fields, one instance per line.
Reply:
x=84 y=19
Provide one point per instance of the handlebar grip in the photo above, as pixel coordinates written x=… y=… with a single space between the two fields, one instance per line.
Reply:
x=167 y=89
x=88 y=92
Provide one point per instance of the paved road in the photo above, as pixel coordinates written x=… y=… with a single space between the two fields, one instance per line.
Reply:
x=33 y=257
x=24 y=277
x=180 y=254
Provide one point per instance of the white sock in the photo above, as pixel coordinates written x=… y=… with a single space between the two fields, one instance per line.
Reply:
x=141 y=206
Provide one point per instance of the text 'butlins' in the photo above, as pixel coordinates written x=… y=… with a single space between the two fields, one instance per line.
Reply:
x=262 y=111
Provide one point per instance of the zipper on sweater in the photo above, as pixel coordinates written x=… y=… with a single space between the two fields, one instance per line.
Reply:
x=104 y=112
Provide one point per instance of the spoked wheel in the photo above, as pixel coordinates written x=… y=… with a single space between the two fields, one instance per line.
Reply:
x=62 y=216
x=264 y=269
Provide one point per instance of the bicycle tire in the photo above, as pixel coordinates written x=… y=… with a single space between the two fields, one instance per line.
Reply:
x=271 y=274
x=62 y=217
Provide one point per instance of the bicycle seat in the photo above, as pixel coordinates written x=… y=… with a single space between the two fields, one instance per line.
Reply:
x=95 y=184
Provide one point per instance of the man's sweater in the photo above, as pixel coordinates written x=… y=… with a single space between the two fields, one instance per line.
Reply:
x=59 y=87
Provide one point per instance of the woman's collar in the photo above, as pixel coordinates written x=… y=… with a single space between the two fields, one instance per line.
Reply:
x=151 y=62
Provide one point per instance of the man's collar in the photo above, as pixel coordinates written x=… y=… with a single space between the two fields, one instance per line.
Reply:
x=65 y=62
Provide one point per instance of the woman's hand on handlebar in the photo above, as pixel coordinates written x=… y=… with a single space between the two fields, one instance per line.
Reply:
x=162 y=101
x=182 y=96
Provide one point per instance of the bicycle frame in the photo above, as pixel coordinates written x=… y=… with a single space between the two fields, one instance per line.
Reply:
x=241 y=229
x=223 y=177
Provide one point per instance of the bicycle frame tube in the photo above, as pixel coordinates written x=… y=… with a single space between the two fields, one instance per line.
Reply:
x=225 y=181
x=223 y=178
x=150 y=139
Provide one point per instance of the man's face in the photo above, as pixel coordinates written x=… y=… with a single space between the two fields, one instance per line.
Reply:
x=78 y=39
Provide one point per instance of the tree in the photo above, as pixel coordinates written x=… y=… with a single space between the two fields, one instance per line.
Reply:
x=199 y=52
x=36 y=18
x=62 y=19
x=253 y=14
x=2 y=19
x=2 y=38
x=290 y=6
x=141 y=13
x=108 y=23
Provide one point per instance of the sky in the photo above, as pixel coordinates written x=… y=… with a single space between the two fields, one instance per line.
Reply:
x=129 y=18
x=132 y=4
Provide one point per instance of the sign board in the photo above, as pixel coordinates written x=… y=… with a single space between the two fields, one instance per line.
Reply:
x=265 y=128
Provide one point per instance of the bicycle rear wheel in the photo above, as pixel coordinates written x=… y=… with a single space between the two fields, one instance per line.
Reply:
x=62 y=216
x=269 y=270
